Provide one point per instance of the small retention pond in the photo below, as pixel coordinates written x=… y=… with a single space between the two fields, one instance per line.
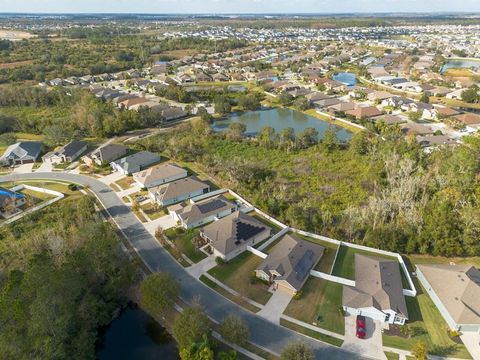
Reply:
x=280 y=119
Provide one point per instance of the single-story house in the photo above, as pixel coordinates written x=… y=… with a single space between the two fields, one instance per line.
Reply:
x=379 y=96
x=378 y=291
x=202 y=212
x=412 y=128
x=24 y=152
x=468 y=118
x=368 y=112
x=429 y=141
x=158 y=175
x=135 y=162
x=288 y=265
x=105 y=154
x=320 y=104
x=230 y=236
x=393 y=119
x=67 y=153
x=10 y=200
x=455 y=290
x=178 y=190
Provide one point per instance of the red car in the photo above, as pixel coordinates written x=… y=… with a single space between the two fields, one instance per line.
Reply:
x=361 y=327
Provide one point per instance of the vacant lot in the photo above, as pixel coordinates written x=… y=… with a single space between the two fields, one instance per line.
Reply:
x=320 y=304
x=238 y=274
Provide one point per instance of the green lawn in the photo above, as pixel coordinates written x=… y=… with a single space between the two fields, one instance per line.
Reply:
x=237 y=274
x=321 y=304
x=238 y=300
x=313 y=334
x=37 y=196
x=70 y=195
x=391 y=355
x=183 y=241
x=345 y=264
x=429 y=327
x=125 y=183
x=154 y=211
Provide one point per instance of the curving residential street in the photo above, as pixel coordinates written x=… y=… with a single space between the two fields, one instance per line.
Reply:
x=263 y=333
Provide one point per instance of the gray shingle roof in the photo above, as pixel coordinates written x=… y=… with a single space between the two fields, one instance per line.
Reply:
x=22 y=149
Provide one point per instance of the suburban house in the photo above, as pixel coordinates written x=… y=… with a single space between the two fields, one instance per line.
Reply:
x=455 y=290
x=158 y=175
x=135 y=162
x=378 y=291
x=364 y=112
x=10 y=200
x=24 y=152
x=105 y=154
x=67 y=153
x=288 y=265
x=230 y=236
x=178 y=190
x=202 y=212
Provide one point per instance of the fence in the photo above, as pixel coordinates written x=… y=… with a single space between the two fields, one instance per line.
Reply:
x=58 y=196
x=257 y=252
x=336 y=279
x=273 y=238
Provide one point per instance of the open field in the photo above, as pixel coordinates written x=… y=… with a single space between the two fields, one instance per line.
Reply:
x=320 y=304
x=12 y=35
x=428 y=326
x=238 y=275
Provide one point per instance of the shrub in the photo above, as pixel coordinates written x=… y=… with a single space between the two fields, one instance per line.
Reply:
x=219 y=260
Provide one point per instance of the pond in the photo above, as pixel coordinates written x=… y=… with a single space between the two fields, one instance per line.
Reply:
x=136 y=335
x=461 y=64
x=280 y=119
x=346 y=78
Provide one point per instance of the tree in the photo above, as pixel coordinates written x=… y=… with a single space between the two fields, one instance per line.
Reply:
x=267 y=136
x=301 y=104
x=285 y=99
x=234 y=329
x=297 y=351
x=307 y=137
x=222 y=105
x=204 y=115
x=7 y=139
x=190 y=326
x=359 y=143
x=470 y=95
x=415 y=116
x=287 y=138
x=425 y=98
x=158 y=293
x=198 y=351
x=330 y=139
x=420 y=351
x=236 y=131
x=248 y=102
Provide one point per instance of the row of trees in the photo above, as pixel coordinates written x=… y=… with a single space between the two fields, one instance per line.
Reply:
x=382 y=191
x=63 y=275
x=192 y=328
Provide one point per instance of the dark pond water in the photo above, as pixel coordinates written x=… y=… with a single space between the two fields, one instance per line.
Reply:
x=461 y=64
x=136 y=335
x=280 y=119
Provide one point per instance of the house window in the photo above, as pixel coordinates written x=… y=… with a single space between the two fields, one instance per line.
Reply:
x=387 y=317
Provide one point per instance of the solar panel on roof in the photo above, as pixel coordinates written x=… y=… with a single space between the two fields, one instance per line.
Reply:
x=302 y=268
x=211 y=206
x=246 y=231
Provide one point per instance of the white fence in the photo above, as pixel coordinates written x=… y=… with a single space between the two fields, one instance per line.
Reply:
x=412 y=292
x=273 y=238
x=257 y=252
x=336 y=279
x=208 y=195
x=58 y=196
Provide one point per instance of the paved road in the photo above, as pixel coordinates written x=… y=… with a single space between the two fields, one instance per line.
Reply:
x=263 y=333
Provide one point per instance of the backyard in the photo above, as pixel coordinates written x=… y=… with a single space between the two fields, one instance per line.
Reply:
x=320 y=304
x=426 y=325
x=238 y=275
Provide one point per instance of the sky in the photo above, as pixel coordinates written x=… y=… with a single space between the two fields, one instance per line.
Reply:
x=237 y=6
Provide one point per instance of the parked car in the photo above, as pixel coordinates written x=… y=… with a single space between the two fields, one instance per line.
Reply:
x=361 y=327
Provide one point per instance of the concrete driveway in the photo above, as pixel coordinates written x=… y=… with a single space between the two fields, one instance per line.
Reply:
x=45 y=167
x=23 y=169
x=371 y=346
x=275 y=306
